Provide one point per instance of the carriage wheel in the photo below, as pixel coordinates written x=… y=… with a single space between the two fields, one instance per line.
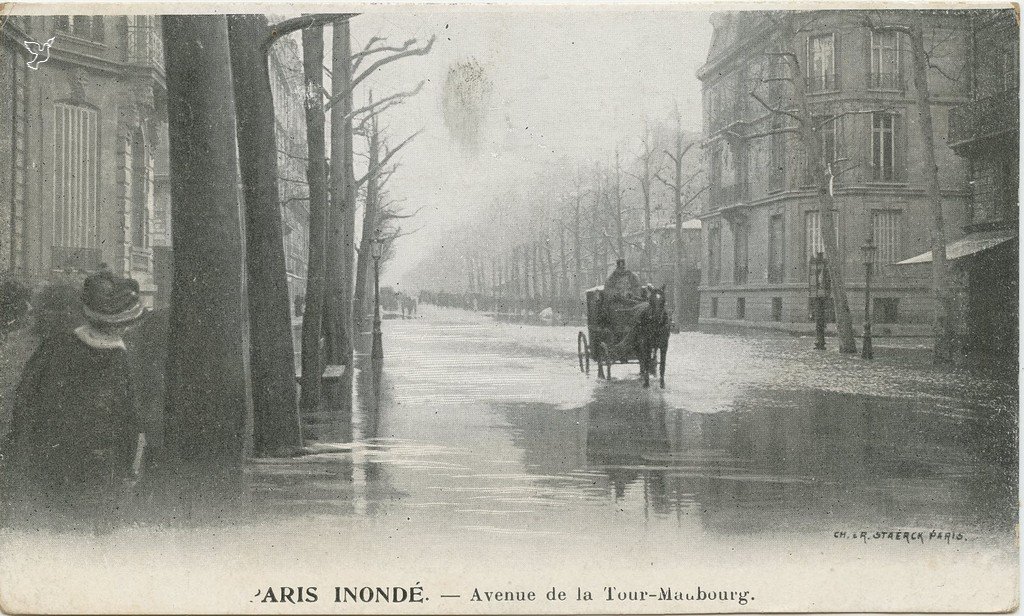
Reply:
x=583 y=349
x=607 y=360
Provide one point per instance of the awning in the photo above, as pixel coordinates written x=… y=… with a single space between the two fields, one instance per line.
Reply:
x=972 y=244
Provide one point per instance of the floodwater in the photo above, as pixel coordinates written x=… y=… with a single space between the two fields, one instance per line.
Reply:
x=485 y=457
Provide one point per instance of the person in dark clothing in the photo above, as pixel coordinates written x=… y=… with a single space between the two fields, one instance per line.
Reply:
x=75 y=446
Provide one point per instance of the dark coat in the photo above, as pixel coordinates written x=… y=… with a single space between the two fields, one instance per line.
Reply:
x=74 y=422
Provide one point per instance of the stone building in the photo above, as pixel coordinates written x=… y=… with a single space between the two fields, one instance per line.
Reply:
x=985 y=131
x=761 y=224
x=79 y=164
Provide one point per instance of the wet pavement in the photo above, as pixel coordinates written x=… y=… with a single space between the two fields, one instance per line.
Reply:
x=488 y=461
x=490 y=429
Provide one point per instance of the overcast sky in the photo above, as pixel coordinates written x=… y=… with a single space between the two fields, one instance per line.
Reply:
x=549 y=83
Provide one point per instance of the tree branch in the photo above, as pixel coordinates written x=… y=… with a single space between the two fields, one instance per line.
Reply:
x=421 y=51
x=369 y=50
x=765 y=104
x=294 y=24
x=387 y=156
x=372 y=107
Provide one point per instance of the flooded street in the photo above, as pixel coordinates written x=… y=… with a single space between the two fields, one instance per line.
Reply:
x=488 y=450
x=491 y=429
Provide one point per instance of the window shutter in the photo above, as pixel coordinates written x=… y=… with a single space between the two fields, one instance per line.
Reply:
x=868 y=38
x=900 y=143
x=902 y=51
x=836 y=62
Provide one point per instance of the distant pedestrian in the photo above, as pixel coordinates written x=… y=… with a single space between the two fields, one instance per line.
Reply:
x=75 y=447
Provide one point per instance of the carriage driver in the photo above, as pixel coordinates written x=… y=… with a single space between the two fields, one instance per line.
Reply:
x=622 y=284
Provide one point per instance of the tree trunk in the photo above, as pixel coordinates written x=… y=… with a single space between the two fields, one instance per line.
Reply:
x=945 y=350
x=208 y=393
x=577 y=248
x=341 y=236
x=826 y=204
x=620 y=235
x=276 y=422
x=365 y=256
x=316 y=175
x=677 y=202
x=563 y=265
x=646 y=190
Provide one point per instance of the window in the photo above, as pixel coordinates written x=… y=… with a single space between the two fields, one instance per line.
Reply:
x=714 y=306
x=776 y=248
x=776 y=309
x=714 y=254
x=883 y=146
x=75 y=213
x=885 y=310
x=88 y=27
x=821 y=63
x=885 y=61
x=812 y=235
x=741 y=308
x=741 y=244
x=828 y=135
x=885 y=233
x=140 y=190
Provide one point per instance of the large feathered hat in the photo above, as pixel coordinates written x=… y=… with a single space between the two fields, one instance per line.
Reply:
x=111 y=300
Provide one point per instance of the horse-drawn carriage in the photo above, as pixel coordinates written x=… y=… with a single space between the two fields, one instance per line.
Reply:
x=623 y=330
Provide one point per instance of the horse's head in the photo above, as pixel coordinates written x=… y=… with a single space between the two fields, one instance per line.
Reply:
x=656 y=298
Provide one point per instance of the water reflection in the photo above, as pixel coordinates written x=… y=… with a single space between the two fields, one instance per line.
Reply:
x=785 y=461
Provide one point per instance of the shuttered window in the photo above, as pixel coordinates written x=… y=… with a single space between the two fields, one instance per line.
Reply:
x=885 y=233
x=812 y=235
x=884 y=146
x=821 y=63
x=75 y=154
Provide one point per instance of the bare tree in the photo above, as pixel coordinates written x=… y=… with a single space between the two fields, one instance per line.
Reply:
x=944 y=324
x=650 y=164
x=346 y=74
x=678 y=185
x=808 y=128
x=276 y=422
x=208 y=377
x=312 y=319
x=376 y=176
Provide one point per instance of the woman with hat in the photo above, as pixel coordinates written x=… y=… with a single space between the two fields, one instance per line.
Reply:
x=74 y=443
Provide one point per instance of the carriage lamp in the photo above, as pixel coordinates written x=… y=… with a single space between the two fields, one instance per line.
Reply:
x=868 y=254
x=377 y=352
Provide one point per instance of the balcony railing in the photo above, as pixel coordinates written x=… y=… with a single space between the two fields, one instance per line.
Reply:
x=723 y=196
x=143 y=46
x=983 y=118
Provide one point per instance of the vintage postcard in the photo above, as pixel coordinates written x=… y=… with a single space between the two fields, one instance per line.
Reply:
x=473 y=309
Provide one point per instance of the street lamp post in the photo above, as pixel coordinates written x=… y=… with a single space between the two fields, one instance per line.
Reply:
x=377 y=352
x=868 y=252
x=818 y=287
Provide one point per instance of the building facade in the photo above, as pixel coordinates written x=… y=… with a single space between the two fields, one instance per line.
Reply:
x=79 y=169
x=986 y=133
x=287 y=84
x=761 y=223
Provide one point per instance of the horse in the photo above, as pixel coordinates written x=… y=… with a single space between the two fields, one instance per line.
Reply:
x=650 y=334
